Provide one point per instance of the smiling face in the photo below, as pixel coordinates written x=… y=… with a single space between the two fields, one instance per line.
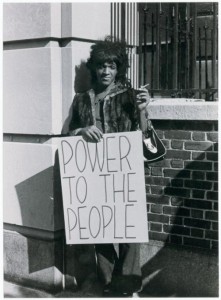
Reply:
x=106 y=74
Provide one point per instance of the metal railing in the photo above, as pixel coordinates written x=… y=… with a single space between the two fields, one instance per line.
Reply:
x=178 y=50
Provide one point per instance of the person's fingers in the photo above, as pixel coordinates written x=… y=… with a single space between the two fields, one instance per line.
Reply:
x=89 y=137
x=143 y=97
x=94 y=135
x=143 y=93
x=98 y=132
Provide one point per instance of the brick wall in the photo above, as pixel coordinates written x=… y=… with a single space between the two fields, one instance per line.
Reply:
x=182 y=190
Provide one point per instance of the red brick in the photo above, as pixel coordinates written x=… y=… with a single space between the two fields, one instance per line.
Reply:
x=177 y=182
x=148 y=207
x=160 y=133
x=216 y=166
x=200 y=204
x=157 y=180
x=158 y=218
x=215 y=245
x=199 y=194
x=212 y=195
x=198 y=155
x=177 y=192
x=176 y=239
x=158 y=199
x=156 y=227
x=197 y=214
x=215 y=226
x=176 y=173
x=166 y=143
x=198 y=146
x=198 y=136
x=196 y=242
x=213 y=176
x=176 y=220
x=177 y=135
x=212 y=156
x=178 y=154
x=213 y=235
x=177 y=163
x=165 y=163
x=147 y=187
x=158 y=236
x=177 y=144
x=158 y=209
x=212 y=136
x=212 y=215
x=215 y=186
x=156 y=190
x=156 y=171
x=147 y=171
x=198 y=165
x=198 y=175
x=201 y=185
x=178 y=211
x=197 y=232
x=216 y=147
x=197 y=223
x=215 y=206
x=176 y=229
x=176 y=201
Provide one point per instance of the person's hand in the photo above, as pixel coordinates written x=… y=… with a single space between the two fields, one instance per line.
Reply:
x=142 y=98
x=91 y=134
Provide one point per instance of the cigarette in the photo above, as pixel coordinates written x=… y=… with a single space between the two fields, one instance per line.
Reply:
x=143 y=86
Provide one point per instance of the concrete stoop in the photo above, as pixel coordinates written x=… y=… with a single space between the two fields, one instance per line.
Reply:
x=12 y=290
x=168 y=271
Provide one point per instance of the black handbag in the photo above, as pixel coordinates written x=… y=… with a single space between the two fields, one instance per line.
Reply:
x=153 y=149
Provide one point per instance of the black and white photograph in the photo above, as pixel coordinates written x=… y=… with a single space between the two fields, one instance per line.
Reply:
x=110 y=149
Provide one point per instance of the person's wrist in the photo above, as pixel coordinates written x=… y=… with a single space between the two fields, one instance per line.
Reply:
x=75 y=132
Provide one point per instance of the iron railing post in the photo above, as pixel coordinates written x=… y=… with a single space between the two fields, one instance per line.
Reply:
x=175 y=45
x=152 y=52
x=194 y=45
x=214 y=45
x=157 y=78
x=187 y=66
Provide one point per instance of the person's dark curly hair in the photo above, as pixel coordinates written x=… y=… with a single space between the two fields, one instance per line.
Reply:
x=109 y=51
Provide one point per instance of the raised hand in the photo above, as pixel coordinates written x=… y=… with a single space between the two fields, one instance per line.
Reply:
x=142 y=98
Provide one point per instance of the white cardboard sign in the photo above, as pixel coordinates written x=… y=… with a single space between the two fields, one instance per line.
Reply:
x=103 y=189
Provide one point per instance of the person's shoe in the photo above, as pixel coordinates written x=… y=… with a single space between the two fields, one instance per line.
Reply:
x=107 y=291
x=125 y=295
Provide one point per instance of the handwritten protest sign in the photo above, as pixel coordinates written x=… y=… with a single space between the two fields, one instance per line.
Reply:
x=103 y=189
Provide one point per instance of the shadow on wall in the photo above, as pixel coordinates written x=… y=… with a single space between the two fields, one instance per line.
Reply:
x=82 y=84
x=180 y=271
x=82 y=81
x=34 y=194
